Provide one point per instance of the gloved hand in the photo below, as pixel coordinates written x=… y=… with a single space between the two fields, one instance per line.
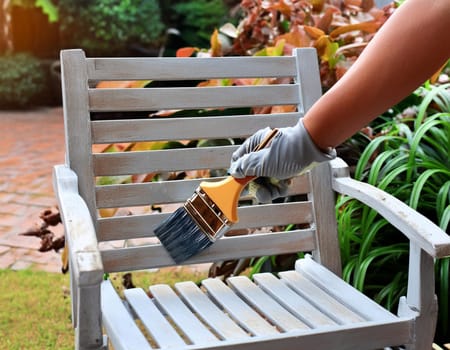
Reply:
x=265 y=189
x=290 y=152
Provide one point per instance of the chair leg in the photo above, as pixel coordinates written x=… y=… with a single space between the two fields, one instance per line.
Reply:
x=88 y=333
x=424 y=327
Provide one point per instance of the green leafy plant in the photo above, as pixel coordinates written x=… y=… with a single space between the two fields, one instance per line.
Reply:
x=409 y=159
x=274 y=28
x=23 y=80
x=109 y=27
x=197 y=19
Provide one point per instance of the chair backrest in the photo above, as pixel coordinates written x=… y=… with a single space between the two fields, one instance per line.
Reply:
x=132 y=121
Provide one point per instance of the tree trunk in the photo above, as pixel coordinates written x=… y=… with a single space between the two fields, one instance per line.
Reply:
x=6 y=43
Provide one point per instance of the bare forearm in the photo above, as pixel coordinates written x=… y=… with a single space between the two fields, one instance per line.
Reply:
x=407 y=50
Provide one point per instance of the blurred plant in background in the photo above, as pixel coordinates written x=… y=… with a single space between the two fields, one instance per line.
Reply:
x=23 y=80
x=409 y=157
x=109 y=27
x=405 y=151
x=338 y=32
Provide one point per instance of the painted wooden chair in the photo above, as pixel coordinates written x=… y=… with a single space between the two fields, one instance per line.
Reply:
x=310 y=307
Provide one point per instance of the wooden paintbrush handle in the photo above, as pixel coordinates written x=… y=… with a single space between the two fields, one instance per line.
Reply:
x=225 y=194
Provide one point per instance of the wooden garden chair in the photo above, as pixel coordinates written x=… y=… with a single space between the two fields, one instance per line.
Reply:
x=309 y=307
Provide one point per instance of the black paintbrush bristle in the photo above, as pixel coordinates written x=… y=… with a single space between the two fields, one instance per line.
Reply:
x=181 y=236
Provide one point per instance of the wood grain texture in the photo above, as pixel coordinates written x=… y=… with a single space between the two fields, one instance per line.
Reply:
x=309 y=307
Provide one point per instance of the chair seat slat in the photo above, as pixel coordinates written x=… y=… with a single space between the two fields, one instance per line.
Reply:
x=219 y=321
x=118 y=322
x=342 y=291
x=292 y=301
x=239 y=310
x=267 y=306
x=152 y=318
x=178 y=312
x=323 y=301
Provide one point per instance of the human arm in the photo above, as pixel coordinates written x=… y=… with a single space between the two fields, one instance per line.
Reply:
x=411 y=46
x=407 y=50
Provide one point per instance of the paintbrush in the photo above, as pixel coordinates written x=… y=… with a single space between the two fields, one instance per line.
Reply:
x=206 y=215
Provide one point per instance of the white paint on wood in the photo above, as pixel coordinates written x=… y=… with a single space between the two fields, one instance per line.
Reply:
x=265 y=305
x=415 y=226
x=292 y=301
x=179 y=313
x=153 y=320
x=246 y=316
x=204 y=307
x=341 y=291
x=169 y=68
x=273 y=311
x=187 y=128
x=155 y=99
x=122 y=330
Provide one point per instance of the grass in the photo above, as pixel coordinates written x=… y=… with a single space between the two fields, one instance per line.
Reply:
x=35 y=311
x=35 y=306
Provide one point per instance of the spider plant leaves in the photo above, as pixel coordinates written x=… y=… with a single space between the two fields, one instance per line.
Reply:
x=410 y=159
x=390 y=293
x=394 y=252
x=371 y=152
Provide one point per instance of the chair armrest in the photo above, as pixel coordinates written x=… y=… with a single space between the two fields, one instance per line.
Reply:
x=81 y=238
x=419 y=229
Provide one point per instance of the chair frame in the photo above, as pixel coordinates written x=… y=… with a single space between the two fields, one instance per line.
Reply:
x=96 y=306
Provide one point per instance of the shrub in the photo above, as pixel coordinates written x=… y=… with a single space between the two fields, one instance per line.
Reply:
x=109 y=27
x=409 y=159
x=23 y=80
x=197 y=19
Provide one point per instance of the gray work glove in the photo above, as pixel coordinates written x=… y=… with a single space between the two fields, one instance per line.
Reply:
x=289 y=153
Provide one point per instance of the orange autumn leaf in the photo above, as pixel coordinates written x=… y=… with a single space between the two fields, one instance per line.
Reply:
x=296 y=38
x=368 y=27
x=186 y=51
x=356 y=3
x=317 y=5
x=435 y=76
x=284 y=109
x=216 y=46
x=325 y=21
x=283 y=8
x=313 y=32
x=114 y=84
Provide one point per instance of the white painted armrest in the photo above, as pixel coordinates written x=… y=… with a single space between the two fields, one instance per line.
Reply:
x=412 y=224
x=80 y=232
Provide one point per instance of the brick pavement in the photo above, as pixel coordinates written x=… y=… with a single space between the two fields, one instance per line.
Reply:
x=31 y=142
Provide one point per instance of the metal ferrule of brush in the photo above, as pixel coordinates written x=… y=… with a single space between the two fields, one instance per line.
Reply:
x=207 y=215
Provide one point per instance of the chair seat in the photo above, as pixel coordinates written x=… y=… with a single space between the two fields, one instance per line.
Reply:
x=248 y=313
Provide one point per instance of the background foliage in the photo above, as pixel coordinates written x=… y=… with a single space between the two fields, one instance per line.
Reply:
x=110 y=26
x=407 y=156
x=405 y=151
x=23 y=80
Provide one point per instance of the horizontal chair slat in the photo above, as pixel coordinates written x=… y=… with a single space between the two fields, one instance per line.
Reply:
x=227 y=248
x=161 y=129
x=155 y=99
x=141 y=226
x=168 y=68
x=138 y=194
x=143 y=162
